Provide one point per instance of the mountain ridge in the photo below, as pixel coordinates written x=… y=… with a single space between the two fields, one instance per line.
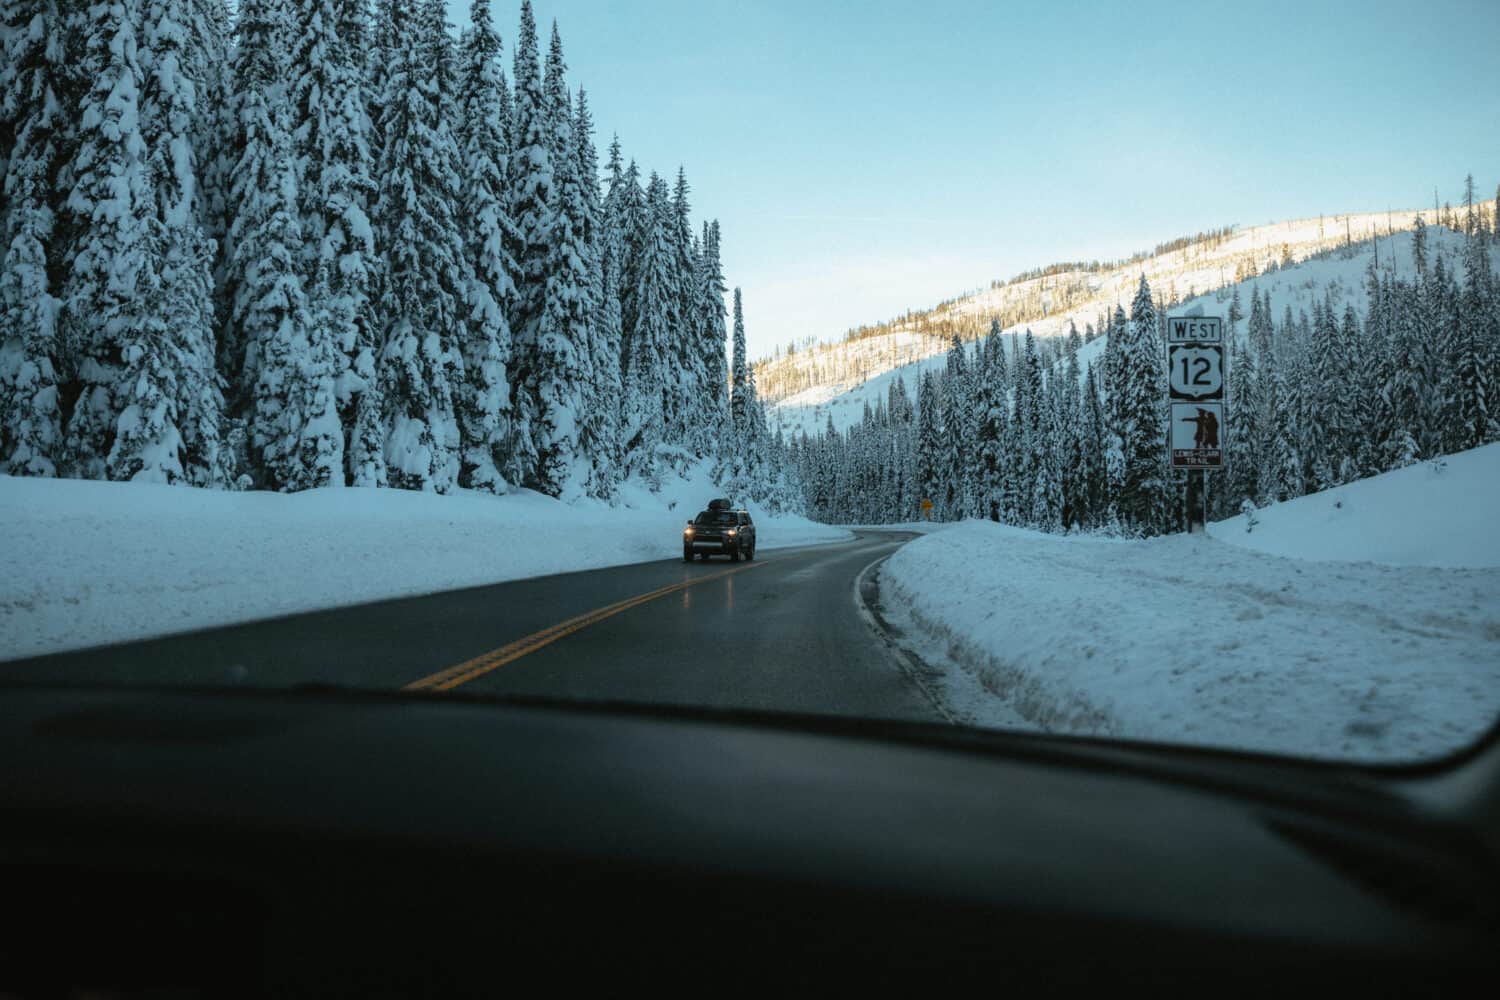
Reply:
x=1049 y=301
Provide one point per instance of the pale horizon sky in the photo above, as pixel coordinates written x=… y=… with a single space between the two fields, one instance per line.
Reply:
x=868 y=158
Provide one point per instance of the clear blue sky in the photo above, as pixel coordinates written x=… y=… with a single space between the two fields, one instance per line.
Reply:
x=866 y=157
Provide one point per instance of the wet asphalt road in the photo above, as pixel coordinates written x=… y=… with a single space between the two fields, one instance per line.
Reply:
x=782 y=633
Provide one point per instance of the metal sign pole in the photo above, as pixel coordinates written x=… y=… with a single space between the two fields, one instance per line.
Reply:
x=1205 y=501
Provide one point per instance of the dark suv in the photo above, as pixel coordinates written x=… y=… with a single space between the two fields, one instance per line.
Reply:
x=721 y=528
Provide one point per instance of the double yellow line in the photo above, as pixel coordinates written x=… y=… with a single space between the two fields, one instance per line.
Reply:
x=452 y=677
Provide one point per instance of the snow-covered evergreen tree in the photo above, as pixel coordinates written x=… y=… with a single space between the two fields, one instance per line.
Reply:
x=1476 y=336
x=187 y=306
x=147 y=443
x=929 y=444
x=1324 y=399
x=1047 y=494
x=560 y=348
x=169 y=106
x=30 y=421
x=1143 y=497
x=740 y=377
x=648 y=345
x=32 y=90
x=1241 y=457
x=283 y=365
x=215 y=131
x=687 y=422
x=1351 y=417
x=959 y=407
x=1094 y=452
x=259 y=72
x=335 y=191
x=760 y=464
x=609 y=382
x=991 y=406
x=173 y=59
x=1069 y=444
x=294 y=426
x=111 y=206
x=1378 y=413
x=629 y=228
x=711 y=333
x=531 y=206
x=1281 y=458
x=666 y=308
x=599 y=430
x=488 y=236
x=427 y=273
x=733 y=440
x=387 y=39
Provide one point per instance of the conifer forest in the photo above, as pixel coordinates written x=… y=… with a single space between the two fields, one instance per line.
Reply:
x=329 y=242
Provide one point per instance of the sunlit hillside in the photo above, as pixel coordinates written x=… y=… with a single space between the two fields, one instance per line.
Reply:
x=1048 y=299
x=857 y=373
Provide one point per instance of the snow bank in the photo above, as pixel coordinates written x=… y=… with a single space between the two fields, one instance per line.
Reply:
x=915 y=527
x=84 y=563
x=1188 y=639
x=1442 y=514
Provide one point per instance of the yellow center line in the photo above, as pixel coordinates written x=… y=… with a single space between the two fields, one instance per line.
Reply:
x=452 y=677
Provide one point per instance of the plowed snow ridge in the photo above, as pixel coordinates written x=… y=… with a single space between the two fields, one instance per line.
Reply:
x=1193 y=639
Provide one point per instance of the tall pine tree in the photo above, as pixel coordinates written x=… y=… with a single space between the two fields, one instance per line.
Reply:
x=561 y=346
x=32 y=90
x=488 y=236
x=335 y=192
x=111 y=207
x=599 y=421
x=427 y=277
x=531 y=205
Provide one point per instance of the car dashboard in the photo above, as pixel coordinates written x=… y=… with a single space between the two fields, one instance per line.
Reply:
x=326 y=843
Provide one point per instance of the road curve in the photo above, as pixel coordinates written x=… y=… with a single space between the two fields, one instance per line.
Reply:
x=781 y=634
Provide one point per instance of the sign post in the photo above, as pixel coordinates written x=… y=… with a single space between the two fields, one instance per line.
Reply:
x=927 y=510
x=1195 y=399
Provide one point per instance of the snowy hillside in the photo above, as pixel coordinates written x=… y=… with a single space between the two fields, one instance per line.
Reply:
x=94 y=562
x=810 y=410
x=846 y=374
x=1201 y=640
x=1442 y=514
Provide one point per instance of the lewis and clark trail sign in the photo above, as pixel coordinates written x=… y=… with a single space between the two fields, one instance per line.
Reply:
x=1195 y=375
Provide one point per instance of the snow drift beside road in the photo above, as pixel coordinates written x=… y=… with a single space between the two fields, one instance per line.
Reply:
x=1188 y=639
x=1429 y=514
x=84 y=563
